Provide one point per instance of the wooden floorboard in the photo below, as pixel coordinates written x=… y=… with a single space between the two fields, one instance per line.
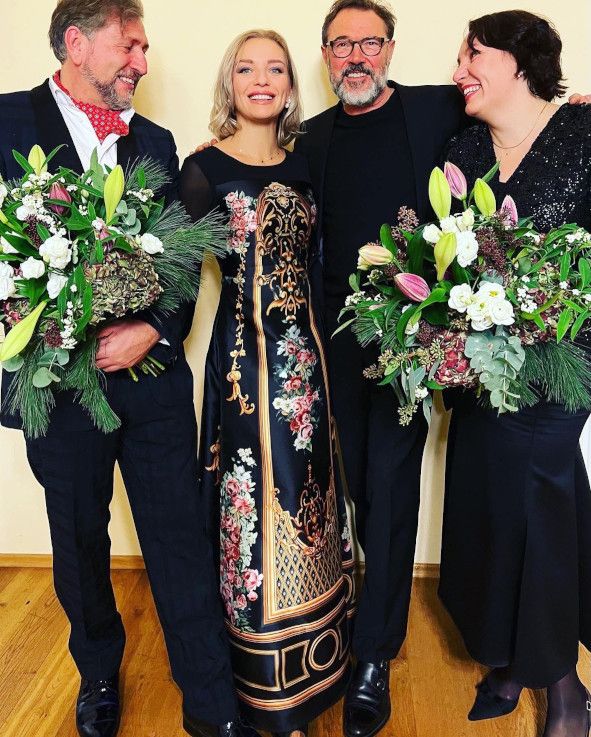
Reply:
x=432 y=680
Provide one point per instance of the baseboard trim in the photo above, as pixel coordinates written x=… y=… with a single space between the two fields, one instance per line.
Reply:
x=118 y=562
x=136 y=562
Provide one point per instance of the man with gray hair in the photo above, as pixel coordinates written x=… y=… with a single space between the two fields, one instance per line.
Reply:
x=87 y=105
x=369 y=155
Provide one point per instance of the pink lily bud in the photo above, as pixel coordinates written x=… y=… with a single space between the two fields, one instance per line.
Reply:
x=456 y=180
x=509 y=211
x=412 y=286
x=59 y=192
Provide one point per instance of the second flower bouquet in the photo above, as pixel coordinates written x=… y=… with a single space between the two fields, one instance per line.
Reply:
x=478 y=300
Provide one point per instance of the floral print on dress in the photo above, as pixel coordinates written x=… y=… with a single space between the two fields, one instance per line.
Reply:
x=297 y=401
x=243 y=220
x=238 y=581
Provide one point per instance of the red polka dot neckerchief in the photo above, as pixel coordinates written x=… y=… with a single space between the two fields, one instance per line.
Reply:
x=103 y=121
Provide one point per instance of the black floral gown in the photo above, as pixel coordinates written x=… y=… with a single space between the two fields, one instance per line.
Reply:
x=516 y=554
x=267 y=447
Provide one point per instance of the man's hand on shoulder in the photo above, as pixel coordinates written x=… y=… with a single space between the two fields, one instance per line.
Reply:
x=578 y=99
x=124 y=344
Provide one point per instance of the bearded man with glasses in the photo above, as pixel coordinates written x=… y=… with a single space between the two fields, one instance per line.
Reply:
x=369 y=155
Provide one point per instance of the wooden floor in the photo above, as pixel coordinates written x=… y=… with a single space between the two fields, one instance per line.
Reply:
x=432 y=679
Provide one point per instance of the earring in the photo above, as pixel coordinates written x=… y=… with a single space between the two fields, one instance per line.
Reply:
x=288 y=103
x=519 y=75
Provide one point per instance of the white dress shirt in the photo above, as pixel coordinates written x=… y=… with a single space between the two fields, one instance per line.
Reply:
x=83 y=134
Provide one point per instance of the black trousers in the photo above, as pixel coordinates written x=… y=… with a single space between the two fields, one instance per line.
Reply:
x=156 y=452
x=382 y=462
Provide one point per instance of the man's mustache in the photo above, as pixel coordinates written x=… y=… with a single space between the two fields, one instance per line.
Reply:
x=356 y=68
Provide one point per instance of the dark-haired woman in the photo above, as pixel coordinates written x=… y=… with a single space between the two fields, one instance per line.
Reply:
x=516 y=558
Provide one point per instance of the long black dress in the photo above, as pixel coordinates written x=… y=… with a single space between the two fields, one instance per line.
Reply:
x=516 y=557
x=267 y=447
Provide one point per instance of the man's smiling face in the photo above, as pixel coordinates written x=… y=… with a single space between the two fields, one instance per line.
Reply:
x=358 y=79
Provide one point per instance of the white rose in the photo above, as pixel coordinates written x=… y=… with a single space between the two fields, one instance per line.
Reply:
x=151 y=244
x=432 y=234
x=55 y=284
x=7 y=286
x=56 y=252
x=501 y=312
x=6 y=247
x=467 y=248
x=32 y=268
x=421 y=392
x=3 y=193
x=479 y=314
x=449 y=225
x=490 y=291
x=460 y=297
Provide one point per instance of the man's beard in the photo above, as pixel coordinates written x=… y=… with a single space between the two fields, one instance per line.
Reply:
x=107 y=91
x=359 y=98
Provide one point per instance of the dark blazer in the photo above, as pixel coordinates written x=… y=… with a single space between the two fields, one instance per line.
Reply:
x=31 y=117
x=433 y=114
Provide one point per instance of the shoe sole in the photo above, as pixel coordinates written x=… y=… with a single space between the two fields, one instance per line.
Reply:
x=192 y=729
x=376 y=729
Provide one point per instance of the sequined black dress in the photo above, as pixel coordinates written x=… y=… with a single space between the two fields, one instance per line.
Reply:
x=516 y=556
x=267 y=448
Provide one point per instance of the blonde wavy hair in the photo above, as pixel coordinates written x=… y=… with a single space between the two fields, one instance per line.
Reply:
x=222 y=121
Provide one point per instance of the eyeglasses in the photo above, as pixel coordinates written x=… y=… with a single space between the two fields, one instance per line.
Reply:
x=343 y=47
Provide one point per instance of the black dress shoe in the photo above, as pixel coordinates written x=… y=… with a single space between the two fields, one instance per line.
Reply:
x=198 y=728
x=489 y=705
x=98 y=709
x=367 y=701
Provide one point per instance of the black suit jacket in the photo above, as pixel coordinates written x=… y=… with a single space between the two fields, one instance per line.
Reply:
x=31 y=117
x=433 y=114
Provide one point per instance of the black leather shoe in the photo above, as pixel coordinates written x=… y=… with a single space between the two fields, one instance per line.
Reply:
x=98 y=710
x=489 y=705
x=198 y=728
x=367 y=701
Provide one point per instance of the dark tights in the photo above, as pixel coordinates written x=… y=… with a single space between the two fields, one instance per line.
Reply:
x=567 y=702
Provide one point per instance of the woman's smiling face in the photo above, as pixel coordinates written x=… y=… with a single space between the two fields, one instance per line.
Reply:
x=487 y=78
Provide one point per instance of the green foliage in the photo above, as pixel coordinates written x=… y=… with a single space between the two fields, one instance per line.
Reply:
x=559 y=371
x=497 y=359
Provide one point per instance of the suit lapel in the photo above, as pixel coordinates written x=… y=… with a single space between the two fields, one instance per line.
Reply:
x=318 y=156
x=421 y=154
x=52 y=130
x=127 y=147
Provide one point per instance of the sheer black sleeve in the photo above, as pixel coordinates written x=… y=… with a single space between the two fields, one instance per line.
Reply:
x=195 y=191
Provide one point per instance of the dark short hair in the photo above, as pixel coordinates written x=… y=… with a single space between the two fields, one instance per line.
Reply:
x=89 y=16
x=379 y=8
x=532 y=41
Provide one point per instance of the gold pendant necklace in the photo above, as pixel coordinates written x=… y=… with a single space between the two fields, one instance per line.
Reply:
x=523 y=140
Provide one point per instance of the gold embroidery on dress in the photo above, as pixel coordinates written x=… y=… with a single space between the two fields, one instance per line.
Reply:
x=283 y=233
x=310 y=521
x=215 y=450
x=306 y=572
x=234 y=375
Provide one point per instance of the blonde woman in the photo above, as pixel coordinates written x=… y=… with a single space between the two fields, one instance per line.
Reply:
x=266 y=449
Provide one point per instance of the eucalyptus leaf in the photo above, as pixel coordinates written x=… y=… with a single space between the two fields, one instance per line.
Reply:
x=13 y=364
x=42 y=378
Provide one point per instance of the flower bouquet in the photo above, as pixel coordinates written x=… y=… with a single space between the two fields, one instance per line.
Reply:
x=479 y=300
x=76 y=251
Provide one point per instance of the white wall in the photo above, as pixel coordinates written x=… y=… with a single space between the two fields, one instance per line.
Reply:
x=187 y=41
